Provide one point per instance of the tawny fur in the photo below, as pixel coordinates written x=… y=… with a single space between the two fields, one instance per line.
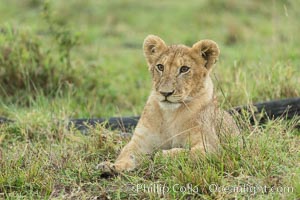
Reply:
x=189 y=118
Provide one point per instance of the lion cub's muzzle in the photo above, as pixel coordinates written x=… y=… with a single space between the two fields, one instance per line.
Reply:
x=168 y=97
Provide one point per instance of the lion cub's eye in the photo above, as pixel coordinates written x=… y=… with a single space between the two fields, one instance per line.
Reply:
x=160 y=67
x=184 y=69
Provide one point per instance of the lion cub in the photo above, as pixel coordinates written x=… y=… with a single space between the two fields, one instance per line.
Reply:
x=181 y=113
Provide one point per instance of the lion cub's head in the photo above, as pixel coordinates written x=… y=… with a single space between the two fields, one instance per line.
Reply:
x=180 y=74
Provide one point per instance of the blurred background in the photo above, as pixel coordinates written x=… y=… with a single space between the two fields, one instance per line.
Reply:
x=84 y=58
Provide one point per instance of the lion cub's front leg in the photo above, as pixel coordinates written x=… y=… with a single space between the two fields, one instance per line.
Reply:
x=130 y=155
x=128 y=158
x=126 y=161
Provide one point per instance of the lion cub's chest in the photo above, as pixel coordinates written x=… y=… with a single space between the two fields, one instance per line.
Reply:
x=177 y=131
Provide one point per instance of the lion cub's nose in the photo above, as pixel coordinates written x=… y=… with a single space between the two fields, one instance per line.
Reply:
x=167 y=94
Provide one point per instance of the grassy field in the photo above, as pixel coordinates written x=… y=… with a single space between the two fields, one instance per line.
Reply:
x=81 y=59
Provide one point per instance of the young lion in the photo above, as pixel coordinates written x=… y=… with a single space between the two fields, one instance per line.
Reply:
x=181 y=112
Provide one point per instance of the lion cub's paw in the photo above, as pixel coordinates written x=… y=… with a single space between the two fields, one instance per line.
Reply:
x=172 y=152
x=107 y=169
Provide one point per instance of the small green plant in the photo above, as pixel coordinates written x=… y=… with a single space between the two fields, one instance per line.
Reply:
x=27 y=69
x=65 y=39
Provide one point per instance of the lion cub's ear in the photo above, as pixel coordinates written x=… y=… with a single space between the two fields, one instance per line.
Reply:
x=208 y=50
x=153 y=47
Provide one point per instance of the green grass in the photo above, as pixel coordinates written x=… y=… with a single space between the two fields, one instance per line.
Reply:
x=80 y=59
